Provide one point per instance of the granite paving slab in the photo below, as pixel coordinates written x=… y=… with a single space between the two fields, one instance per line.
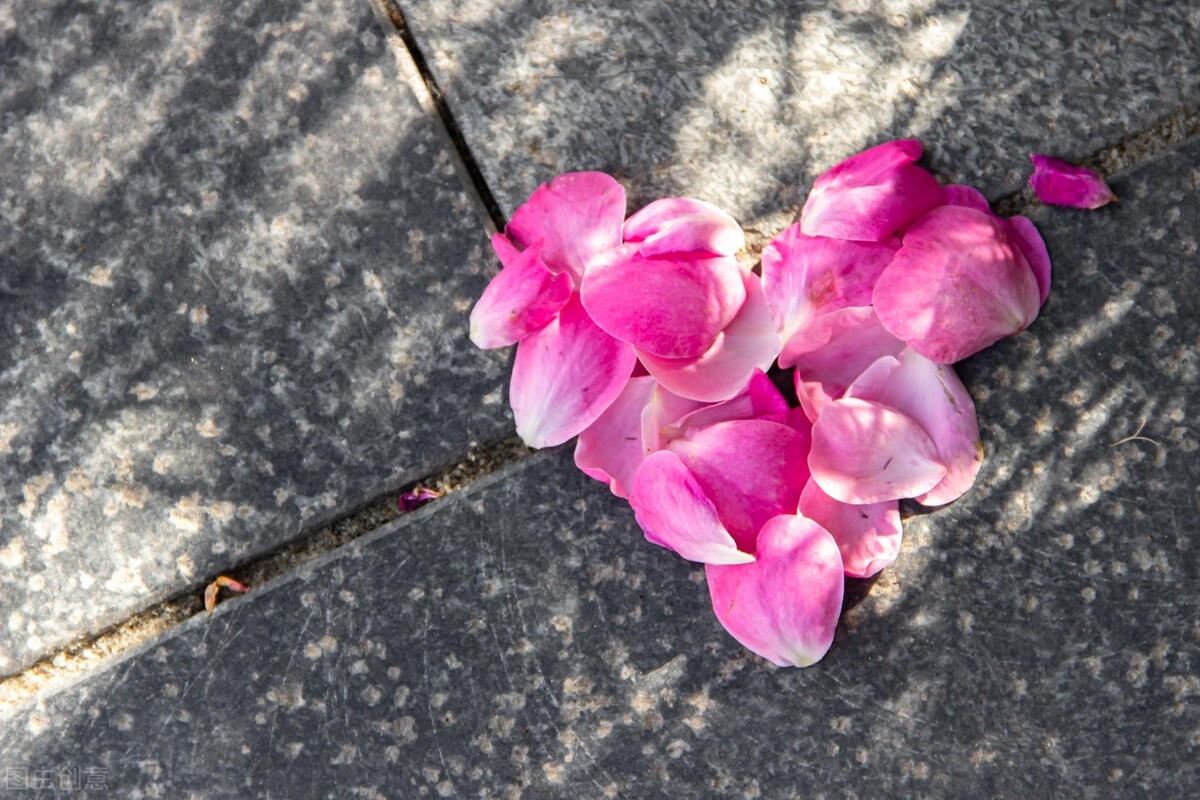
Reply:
x=1038 y=638
x=235 y=267
x=743 y=103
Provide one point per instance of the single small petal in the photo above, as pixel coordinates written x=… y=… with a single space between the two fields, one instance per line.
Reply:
x=865 y=452
x=784 y=606
x=933 y=396
x=675 y=512
x=683 y=226
x=750 y=342
x=1058 y=183
x=956 y=286
x=1025 y=236
x=872 y=195
x=575 y=216
x=750 y=469
x=669 y=307
x=868 y=536
x=565 y=376
x=520 y=299
x=610 y=449
x=415 y=498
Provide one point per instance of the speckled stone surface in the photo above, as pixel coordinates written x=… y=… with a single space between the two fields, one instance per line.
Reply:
x=743 y=103
x=1039 y=638
x=235 y=268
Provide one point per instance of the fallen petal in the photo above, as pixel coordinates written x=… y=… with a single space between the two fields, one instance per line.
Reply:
x=419 y=496
x=565 y=376
x=784 y=606
x=682 y=226
x=1025 y=236
x=966 y=196
x=1058 y=183
x=760 y=399
x=868 y=536
x=610 y=449
x=520 y=299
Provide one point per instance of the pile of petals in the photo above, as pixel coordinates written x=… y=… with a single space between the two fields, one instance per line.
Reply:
x=647 y=339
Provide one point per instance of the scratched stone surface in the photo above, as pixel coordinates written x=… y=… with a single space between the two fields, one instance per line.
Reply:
x=235 y=267
x=1038 y=638
x=743 y=103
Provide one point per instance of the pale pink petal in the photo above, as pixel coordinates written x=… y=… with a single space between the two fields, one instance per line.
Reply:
x=806 y=276
x=1025 y=236
x=565 y=376
x=956 y=286
x=865 y=452
x=784 y=606
x=576 y=216
x=750 y=342
x=835 y=348
x=520 y=299
x=671 y=308
x=610 y=449
x=750 y=469
x=965 y=196
x=1058 y=183
x=759 y=400
x=933 y=396
x=662 y=413
x=674 y=512
x=868 y=536
x=870 y=196
x=680 y=225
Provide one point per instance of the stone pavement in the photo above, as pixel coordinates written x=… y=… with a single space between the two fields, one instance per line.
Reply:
x=264 y=163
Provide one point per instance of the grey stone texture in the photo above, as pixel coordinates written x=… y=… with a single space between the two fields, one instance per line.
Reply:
x=744 y=103
x=1038 y=638
x=235 y=268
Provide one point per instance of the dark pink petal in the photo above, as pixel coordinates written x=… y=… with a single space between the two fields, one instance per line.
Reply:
x=956 y=286
x=749 y=343
x=965 y=196
x=750 y=469
x=576 y=216
x=417 y=497
x=1025 y=236
x=1058 y=183
x=520 y=299
x=565 y=376
x=835 y=349
x=674 y=512
x=868 y=536
x=806 y=276
x=933 y=396
x=682 y=226
x=870 y=196
x=671 y=308
x=610 y=449
x=865 y=452
x=784 y=606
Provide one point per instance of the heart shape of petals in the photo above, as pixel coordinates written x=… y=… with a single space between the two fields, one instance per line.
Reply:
x=1058 y=183
x=679 y=305
x=785 y=605
x=868 y=536
x=683 y=226
x=872 y=195
x=610 y=449
x=575 y=216
x=565 y=376
x=865 y=452
x=956 y=286
x=674 y=512
x=520 y=299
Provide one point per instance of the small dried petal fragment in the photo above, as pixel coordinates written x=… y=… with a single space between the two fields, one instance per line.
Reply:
x=785 y=605
x=1058 y=183
x=210 y=591
x=419 y=496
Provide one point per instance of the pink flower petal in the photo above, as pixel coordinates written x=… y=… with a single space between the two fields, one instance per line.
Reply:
x=868 y=536
x=1058 y=183
x=965 y=196
x=749 y=342
x=750 y=469
x=760 y=399
x=933 y=396
x=610 y=449
x=520 y=299
x=682 y=226
x=806 y=276
x=662 y=413
x=956 y=286
x=674 y=512
x=1025 y=236
x=872 y=195
x=565 y=376
x=576 y=216
x=835 y=348
x=784 y=606
x=865 y=452
x=671 y=308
